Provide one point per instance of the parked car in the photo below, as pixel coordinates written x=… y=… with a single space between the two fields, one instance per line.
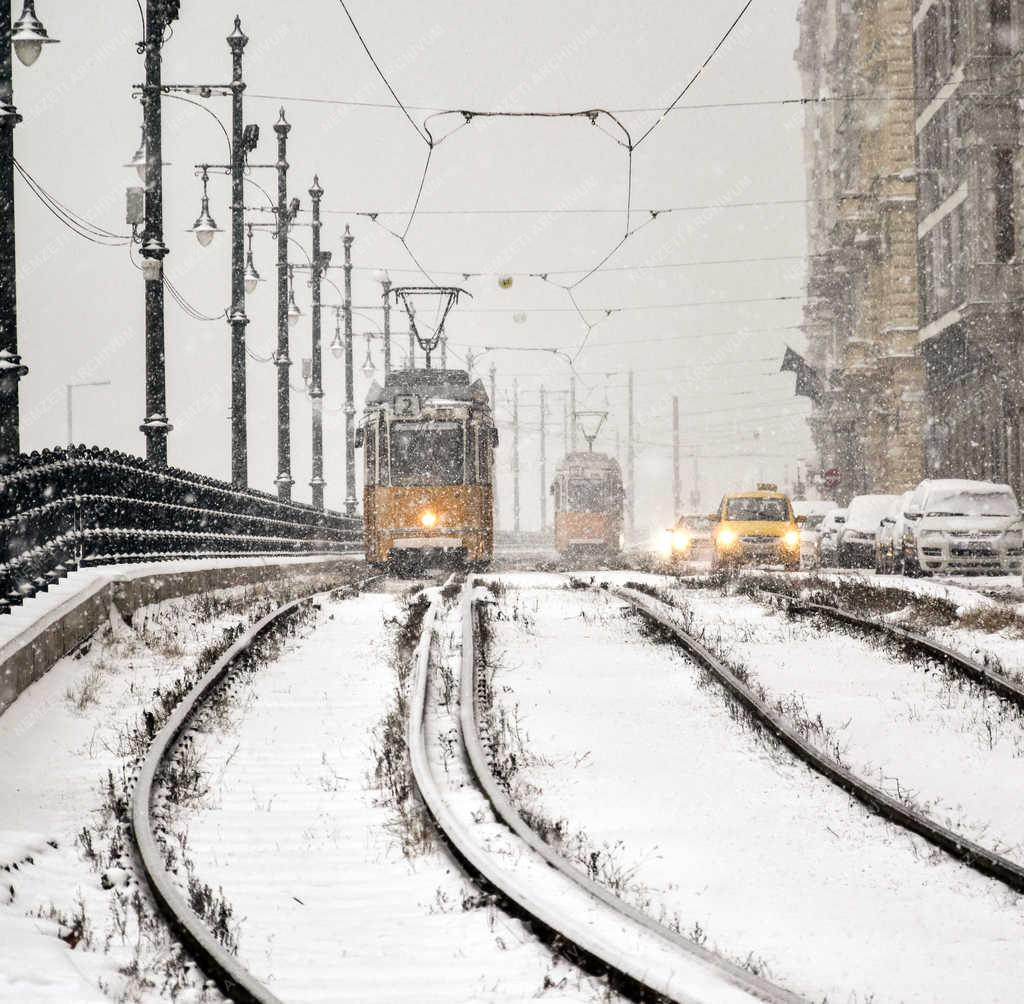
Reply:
x=828 y=536
x=888 y=552
x=962 y=526
x=856 y=545
x=813 y=512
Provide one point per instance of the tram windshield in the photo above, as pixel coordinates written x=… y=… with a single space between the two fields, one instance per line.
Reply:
x=427 y=453
x=588 y=496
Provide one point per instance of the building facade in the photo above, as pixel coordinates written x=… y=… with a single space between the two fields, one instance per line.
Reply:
x=861 y=317
x=968 y=76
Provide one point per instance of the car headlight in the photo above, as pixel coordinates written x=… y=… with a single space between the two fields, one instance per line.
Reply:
x=429 y=519
x=726 y=537
x=792 y=538
x=680 y=540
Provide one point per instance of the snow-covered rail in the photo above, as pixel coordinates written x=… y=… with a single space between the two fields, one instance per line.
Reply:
x=644 y=959
x=958 y=662
x=971 y=853
x=234 y=980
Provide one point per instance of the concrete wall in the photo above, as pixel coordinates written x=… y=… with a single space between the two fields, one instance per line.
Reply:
x=29 y=655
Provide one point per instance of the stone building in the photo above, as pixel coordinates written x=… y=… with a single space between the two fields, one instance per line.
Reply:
x=861 y=318
x=968 y=74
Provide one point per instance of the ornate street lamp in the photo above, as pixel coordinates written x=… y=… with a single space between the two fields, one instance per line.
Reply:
x=204 y=228
x=28 y=35
x=368 y=365
x=251 y=276
x=294 y=313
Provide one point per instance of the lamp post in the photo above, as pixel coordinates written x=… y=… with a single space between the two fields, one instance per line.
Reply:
x=350 y=408
x=27 y=38
x=284 y=480
x=72 y=386
x=316 y=390
x=237 y=318
x=159 y=15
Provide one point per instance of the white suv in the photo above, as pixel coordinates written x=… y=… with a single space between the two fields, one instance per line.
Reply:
x=962 y=526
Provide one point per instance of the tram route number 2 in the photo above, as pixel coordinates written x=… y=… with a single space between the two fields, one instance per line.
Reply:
x=407 y=406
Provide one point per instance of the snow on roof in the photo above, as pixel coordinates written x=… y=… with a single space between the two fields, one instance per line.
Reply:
x=961 y=486
x=592 y=462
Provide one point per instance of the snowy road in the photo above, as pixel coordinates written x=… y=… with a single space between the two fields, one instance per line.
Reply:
x=738 y=843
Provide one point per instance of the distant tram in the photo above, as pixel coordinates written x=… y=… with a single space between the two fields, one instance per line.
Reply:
x=588 y=504
x=428 y=440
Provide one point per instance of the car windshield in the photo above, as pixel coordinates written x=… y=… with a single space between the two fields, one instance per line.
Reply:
x=971 y=503
x=813 y=522
x=426 y=453
x=694 y=523
x=756 y=510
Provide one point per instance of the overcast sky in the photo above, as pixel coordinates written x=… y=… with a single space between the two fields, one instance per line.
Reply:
x=81 y=305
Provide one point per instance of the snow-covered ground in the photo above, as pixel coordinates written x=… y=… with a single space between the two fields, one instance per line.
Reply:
x=735 y=840
x=295 y=833
x=62 y=743
x=953 y=748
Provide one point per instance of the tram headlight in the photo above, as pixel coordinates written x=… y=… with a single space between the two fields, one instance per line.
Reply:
x=791 y=539
x=429 y=519
x=726 y=537
x=680 y=540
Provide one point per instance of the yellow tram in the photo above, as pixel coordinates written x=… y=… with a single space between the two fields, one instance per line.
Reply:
x=428 y=440
x=588 y=504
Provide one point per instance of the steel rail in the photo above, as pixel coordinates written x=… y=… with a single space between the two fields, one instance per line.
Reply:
x=233 y=979
x=694 y=975
x=957 y=661
x=974 y=855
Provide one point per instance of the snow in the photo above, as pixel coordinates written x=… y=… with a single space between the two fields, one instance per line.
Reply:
x=865 y=512
x=294 y=834
x=55 y=752
x=902 y=726
x=771 y=861
x=86 y=581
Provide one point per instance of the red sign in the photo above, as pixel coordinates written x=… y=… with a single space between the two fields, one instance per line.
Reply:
x=831 y=478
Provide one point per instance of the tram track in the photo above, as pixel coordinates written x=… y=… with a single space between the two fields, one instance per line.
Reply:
x=971 y=853
x=644 y=960
x=231 y=977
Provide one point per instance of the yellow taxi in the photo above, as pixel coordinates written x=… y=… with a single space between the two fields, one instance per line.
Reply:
x=756 y=527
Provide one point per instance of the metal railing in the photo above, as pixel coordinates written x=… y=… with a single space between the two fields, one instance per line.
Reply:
x=65 y=508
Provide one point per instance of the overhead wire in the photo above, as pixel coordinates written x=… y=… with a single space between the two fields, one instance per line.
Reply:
x=77 y=224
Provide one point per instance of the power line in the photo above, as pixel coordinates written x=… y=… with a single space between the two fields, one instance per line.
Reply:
x=609 y=311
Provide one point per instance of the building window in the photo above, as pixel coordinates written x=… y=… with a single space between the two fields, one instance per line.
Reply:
x=1002 y=26
x=1005 y=223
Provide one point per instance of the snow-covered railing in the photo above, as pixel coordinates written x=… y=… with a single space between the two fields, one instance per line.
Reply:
x=83 y=505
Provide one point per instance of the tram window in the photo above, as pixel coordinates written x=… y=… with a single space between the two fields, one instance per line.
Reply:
x=427 y=453
x=587 y=496
x=556 y=489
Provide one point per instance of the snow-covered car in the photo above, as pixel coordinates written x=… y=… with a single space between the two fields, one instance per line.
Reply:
x=813 y=512
x=962 y=526
x=828 y=536
x=856 y=545
x=888 y=553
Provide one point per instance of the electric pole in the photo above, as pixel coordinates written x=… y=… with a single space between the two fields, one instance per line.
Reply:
x=543 y=462
x=630 y=462
x=386 y=284
x=159 y=15
x=284 y=480
x=572 y=412
x=515 y=456
x=350 y=407
x=238 y=320
x=494 y=418
x=676 y=491
x=316 y=390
